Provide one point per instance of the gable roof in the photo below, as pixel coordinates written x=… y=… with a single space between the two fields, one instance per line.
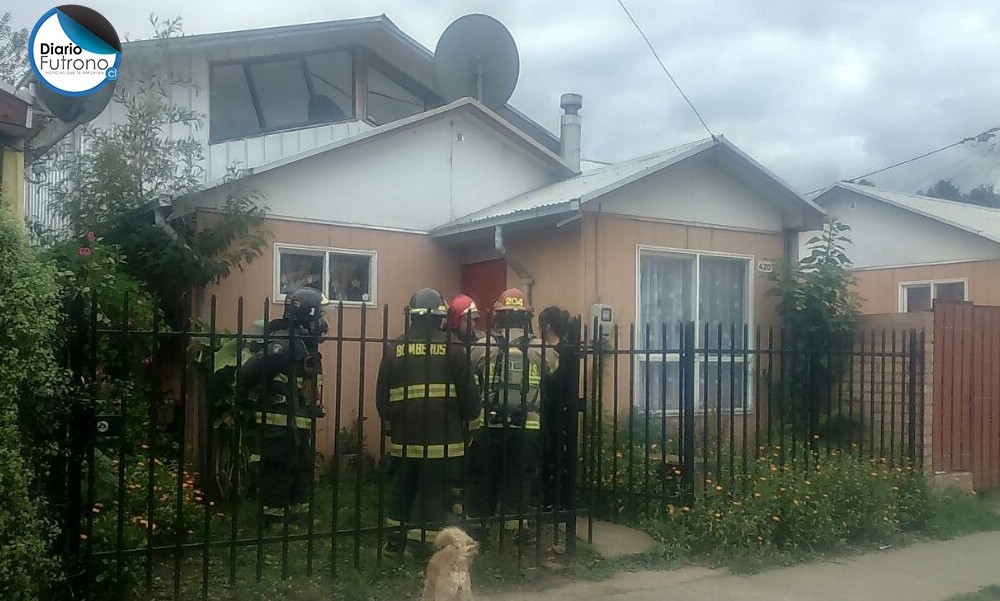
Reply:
x=570 y=194
x=975 y=219
x=463 y=105
x=418 y=60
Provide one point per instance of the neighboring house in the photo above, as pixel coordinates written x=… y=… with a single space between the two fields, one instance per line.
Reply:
x=16 y=117
x=908 y=250
x=383 y=188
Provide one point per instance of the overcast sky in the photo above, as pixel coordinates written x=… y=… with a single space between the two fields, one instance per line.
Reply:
x=815 y=91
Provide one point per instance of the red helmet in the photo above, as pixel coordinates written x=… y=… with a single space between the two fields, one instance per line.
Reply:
x=512 y=299
x=458 y=309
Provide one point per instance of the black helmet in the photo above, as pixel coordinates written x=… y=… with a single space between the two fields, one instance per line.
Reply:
x=305 y=305
x=427 y=301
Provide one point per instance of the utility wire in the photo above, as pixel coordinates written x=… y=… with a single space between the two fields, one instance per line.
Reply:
x=665 y=70
x=980 y=137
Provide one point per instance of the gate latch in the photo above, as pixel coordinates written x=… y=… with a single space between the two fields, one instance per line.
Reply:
x=108 y=426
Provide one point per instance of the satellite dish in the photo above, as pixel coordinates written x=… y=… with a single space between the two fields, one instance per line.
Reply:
x=477 y=57
x=76 y=109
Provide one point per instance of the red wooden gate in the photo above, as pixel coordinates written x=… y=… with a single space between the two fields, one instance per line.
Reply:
x=966 y=428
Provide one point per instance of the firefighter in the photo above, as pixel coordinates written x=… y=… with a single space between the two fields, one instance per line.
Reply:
x=462 y=316
x=286 y=373
x=510 y=363
x=426 y=394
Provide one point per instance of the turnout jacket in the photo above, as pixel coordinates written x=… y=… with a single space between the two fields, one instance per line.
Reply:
x=510 y=366
x=425 y=391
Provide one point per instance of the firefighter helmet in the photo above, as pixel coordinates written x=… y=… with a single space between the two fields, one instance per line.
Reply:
x=512 y=299
x=427 y=301
x=305 y=305
x=459 y=308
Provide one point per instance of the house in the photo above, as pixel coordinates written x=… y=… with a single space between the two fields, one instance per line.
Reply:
x=909 y=250
x=383 y=188
x=16 y=118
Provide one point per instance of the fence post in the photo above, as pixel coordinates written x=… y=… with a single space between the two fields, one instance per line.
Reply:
x=912 y=381
x=687 y=377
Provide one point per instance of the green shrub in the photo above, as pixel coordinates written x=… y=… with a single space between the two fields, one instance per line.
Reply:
x=799 y=506
x=139 y=525
x=29 y=380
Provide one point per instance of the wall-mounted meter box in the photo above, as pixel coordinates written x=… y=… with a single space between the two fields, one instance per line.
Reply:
x=604 y=317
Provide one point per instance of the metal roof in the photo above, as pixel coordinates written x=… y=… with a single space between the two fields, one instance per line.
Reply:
x=282 y=31
x=569 y=194
x=975 y=219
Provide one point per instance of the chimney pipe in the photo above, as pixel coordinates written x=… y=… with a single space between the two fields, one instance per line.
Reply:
x=570 y=134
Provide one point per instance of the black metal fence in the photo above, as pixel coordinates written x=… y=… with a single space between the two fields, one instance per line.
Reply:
x=675 y=412
x=163 y=491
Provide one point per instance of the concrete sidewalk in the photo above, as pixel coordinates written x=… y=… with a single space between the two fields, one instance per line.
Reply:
x=931 y=571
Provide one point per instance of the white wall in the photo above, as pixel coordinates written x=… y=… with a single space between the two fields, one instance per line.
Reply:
x=884 y=235
x=415 y=180
x=696 y=191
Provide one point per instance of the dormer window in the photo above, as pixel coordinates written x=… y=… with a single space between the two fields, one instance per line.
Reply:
x=264 y=95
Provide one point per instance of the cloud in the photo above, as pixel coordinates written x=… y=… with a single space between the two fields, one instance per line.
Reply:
x=815 y=91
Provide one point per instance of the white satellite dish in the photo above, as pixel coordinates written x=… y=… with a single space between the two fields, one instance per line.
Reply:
x=476 y=57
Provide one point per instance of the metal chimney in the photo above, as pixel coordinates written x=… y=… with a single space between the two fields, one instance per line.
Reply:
x=570 y=134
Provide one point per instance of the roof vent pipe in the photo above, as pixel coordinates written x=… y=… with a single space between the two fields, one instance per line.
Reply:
x=570 y=134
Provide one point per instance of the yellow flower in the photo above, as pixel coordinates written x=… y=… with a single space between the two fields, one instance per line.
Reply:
x=756 y=495
x=718 y=488
x=775 y=518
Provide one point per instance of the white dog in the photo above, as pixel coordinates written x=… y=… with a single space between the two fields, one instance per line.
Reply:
x=448 y=570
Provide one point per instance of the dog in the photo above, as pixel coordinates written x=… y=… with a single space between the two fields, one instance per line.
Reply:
x=448 y=570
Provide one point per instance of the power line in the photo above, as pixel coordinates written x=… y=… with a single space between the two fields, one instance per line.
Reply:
x=665 y=70
x=980 y=137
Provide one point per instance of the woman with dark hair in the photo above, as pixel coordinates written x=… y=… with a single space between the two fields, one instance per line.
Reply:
x=559 y=402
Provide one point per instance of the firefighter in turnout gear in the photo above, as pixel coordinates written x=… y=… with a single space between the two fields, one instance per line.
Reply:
x=285 y=372
x=462 y=316
x=510 y=364
x=425 y=395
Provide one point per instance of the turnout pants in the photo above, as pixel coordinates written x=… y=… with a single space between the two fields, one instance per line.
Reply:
x=287 y=462
x=421 y=496
x=502 y=471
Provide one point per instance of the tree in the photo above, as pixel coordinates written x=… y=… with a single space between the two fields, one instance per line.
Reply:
x=13 y=50
x=820 y=309
x=128 y=170
x=983 y=195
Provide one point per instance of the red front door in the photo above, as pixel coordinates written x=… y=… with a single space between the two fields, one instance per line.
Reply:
x=484 y=282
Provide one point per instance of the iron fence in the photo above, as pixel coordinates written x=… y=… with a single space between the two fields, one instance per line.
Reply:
x=673 y=413
x=163 y=493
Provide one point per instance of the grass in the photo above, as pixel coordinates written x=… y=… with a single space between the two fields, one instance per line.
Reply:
x=335 y=571
x=368 y=576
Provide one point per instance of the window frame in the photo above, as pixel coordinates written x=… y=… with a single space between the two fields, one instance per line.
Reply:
x=351 y=51
x=933 y=285
x=747 y=357
x=326 y=251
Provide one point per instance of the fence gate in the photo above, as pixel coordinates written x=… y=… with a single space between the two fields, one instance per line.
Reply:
x=966 y=428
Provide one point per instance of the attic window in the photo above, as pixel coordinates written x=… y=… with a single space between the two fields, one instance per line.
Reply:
x=388 y=100
x=257 y=96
